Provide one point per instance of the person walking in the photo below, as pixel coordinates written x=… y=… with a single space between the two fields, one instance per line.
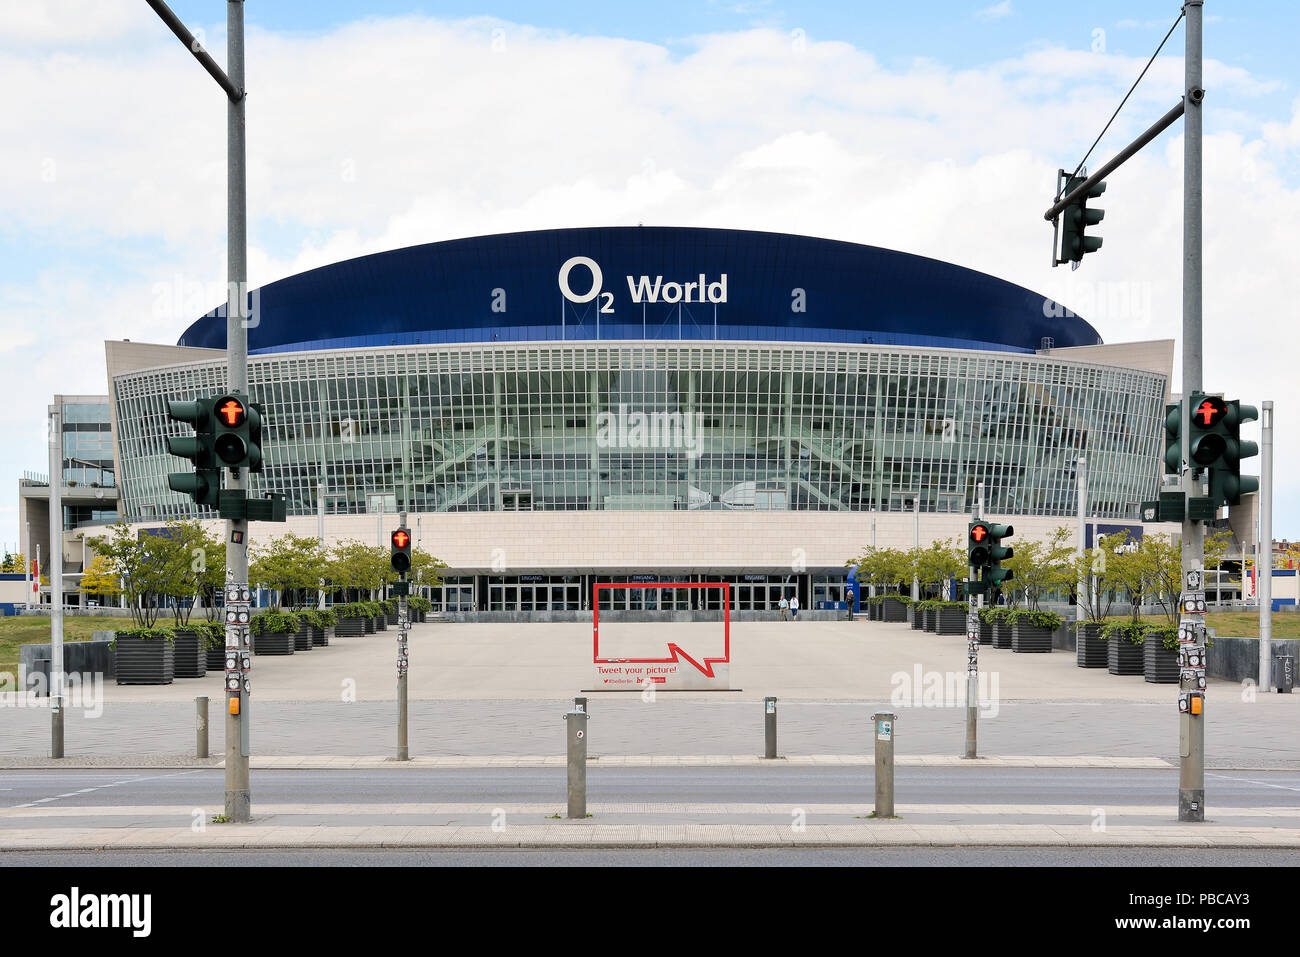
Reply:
x=785 y=609
x=849 y=595
x=794 y=608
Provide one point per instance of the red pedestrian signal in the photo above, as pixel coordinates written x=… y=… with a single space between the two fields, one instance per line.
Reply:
x=1209 y=412
x=400 y=539
x=400 y=553
x=978 y=533
x=231 y=412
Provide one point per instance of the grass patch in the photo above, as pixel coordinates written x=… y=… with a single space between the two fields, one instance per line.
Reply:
x=1237 y=624
x=16 y=630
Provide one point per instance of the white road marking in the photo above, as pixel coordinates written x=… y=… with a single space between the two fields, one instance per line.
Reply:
x=1266 y=784
x=101 y=787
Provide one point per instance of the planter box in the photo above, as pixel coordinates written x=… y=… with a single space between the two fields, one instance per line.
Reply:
x=1159 y=664
x=216 y=658
x=927 y=619
x=392 y=617
x=1090 y=649
x=190 y=656
x=381 y=623
x=145 y=661
x=350 y=627
x=950 y=621
x=320 y=637
x=915 y=617
x=302 y=638
x=1001 y=634
x=369 y=624
x=986 y=633
x=273 y=643
x=891 y=609
x=1123 y=657
x=1031 y=639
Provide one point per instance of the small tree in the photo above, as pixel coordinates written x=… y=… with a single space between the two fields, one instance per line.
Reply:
x=100 y=579
x=355 y=565
x=1093 y=572
x=141 y=563
x=939 y=562
x=12 y=563
x=425 y=568
x=1162 y=564
x=1039 y=567
x=291 y=565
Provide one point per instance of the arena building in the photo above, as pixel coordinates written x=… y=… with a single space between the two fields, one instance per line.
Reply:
x=657 y=404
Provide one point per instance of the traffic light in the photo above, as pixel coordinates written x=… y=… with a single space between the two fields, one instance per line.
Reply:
x=203 y=484
x=1173 y=443
x=994 y=573
x=1076 y=218
x=401 y=551
x=1207 y=436
x=977 y=546
x=1227 y=484
x=238 y=423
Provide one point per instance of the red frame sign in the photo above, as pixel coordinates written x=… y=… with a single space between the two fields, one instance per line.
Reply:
x=675 y=652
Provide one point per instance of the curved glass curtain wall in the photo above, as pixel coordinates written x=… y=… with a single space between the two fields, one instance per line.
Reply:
x=681 y=426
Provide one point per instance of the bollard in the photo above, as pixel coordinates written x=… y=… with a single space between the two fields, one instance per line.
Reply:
x=580 y=704
x=201 y=726
x=884 y=770
x=769 y=727
x=577 y=732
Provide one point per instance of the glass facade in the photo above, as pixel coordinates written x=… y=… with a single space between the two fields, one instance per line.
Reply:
x=686 y=425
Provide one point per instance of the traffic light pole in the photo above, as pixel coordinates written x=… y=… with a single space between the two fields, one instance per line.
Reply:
x=403 y=627
x=1191 y=770
x=238 y=794
x=56 y=582
x=975 y=603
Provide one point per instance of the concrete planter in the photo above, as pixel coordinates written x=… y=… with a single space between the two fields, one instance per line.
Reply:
x=273 y=643
x=950 y=621
x=145 y=661
x=891 y=609
x=1090 y=649
x=1123 y=657
x=1031 y=639
x=191 y=659
x=351 y=627
x=1159 y=664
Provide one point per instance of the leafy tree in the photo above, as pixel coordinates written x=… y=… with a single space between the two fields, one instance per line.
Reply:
x=355 y=565
x=12 y=563
x=142 y=564
x=187 y=549
x=1162 y=562
x=1039 y=567
x=292 y=565
x=886 y=568
x=1094 y=571
x=939 y=562
x=425 y=568
x=100 y=578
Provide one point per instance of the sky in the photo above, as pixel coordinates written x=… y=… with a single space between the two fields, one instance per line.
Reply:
x=934 y=128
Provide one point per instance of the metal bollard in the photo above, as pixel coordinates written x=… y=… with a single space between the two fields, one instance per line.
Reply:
x=580 y=704
x=769 y=727
x=884 y=770
x=577 y=732
x=201 y=726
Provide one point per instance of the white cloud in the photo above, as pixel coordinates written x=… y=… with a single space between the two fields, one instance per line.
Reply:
x=995 y=12
x=389 y=132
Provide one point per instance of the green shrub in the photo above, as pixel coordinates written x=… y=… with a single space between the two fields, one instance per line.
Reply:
x=1039 y=619
x=211 y=633
x=159 y=633
x=389 y=605
x=275 y=623
x=319 y=619
x=1166 y=634
x=419 y=603
x=1131 y=631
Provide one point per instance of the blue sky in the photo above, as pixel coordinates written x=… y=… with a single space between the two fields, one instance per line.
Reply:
x=931 y=127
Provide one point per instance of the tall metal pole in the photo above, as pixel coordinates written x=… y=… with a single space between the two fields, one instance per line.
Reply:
x=1191 y=770
x=873 y=548
x=916 y=541
x=56 y=581
x=238 y=795
x=403 y=627
x=28 y=554
x=974 y=603
x=1264 y=566
x=320 y=535
x=1081 y=544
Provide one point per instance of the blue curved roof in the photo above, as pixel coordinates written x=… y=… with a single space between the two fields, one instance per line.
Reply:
x=657 y=282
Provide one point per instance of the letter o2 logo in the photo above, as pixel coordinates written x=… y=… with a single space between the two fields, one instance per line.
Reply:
x=597 y=279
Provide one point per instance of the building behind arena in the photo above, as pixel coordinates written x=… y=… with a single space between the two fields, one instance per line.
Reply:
x=657 y=404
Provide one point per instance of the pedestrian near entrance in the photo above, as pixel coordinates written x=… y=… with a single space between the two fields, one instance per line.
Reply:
x=794 y=608
x=849 y=594
x=785 y=609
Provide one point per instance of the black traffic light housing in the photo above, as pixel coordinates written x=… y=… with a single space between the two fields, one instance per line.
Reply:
x=1227 y=484
x=400 y=556
x=1076 y=218
x=994 y=574
x=203 y=484
x=1173 y=439
x=238 y=433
